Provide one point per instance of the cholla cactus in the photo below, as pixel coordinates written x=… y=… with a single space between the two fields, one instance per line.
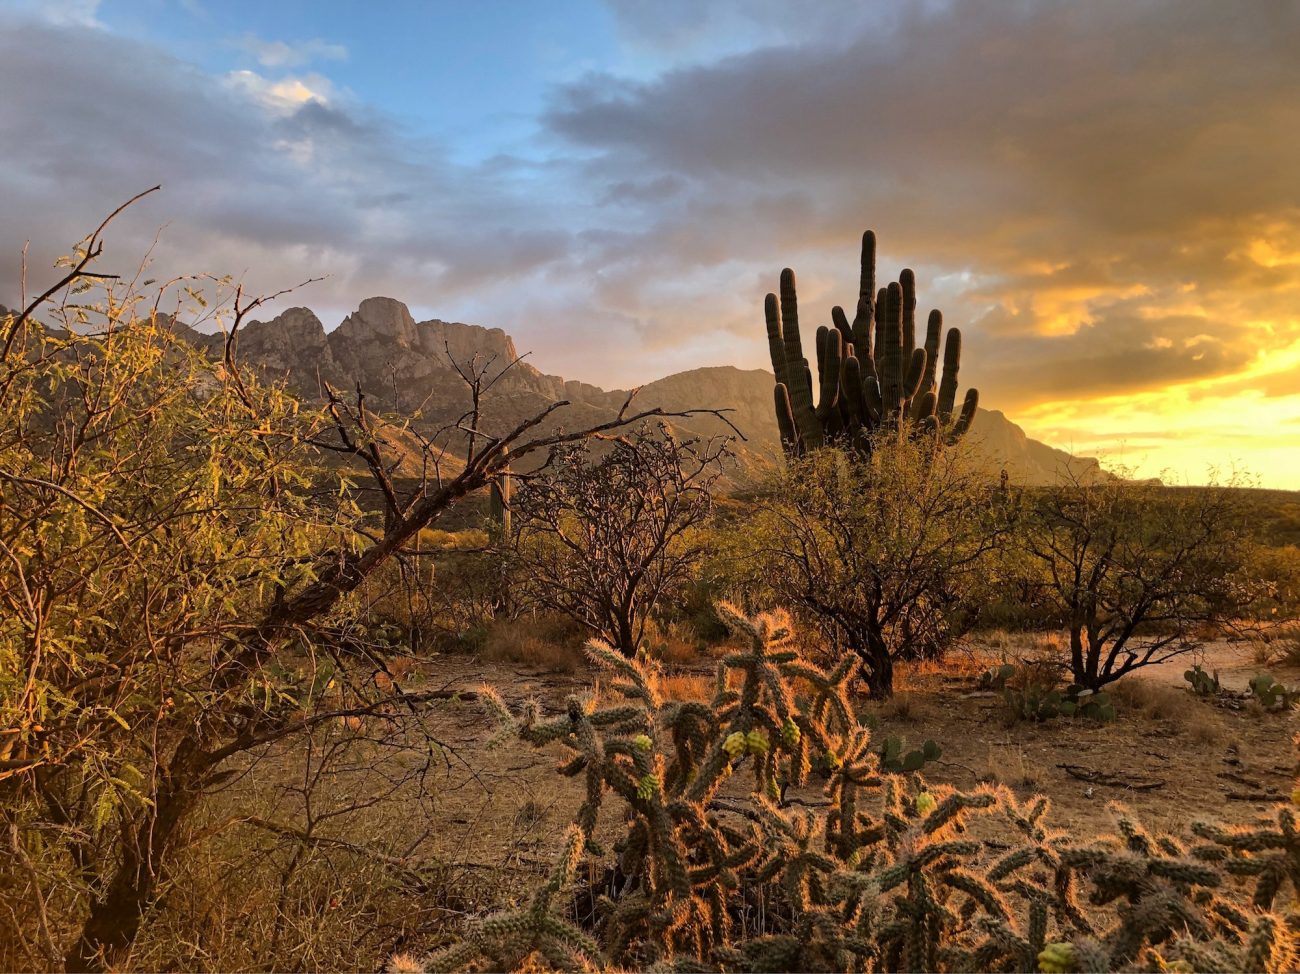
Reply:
x=1160 y=891
x=1269 y=947
x=512 y=939
x=893 y=873
x=850 y=888
x=1268 y=851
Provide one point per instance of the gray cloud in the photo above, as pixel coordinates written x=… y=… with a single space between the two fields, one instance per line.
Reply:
x=1045 y=160
x=1085 y=187
x=275 y=179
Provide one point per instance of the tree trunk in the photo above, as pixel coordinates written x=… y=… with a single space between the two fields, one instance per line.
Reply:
x=1078 y=666
x=626 y=643
x=115 y=917
x=878 y=665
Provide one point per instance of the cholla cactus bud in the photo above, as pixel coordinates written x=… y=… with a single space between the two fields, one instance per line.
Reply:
x=734 y=745
x=790 y=732
x=647 y=787
x=642 y=742
x=1057 y=958
x=925 y=803
x=756 y=741
x=833 y=762
x=773 y=790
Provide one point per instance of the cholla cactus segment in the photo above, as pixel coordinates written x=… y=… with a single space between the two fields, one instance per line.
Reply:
x=1268 y=852
x=509 y=939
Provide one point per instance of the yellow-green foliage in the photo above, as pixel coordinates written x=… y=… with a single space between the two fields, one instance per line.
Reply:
x=148 y=505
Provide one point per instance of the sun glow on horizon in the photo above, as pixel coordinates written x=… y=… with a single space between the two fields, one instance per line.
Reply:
x=1187 y=431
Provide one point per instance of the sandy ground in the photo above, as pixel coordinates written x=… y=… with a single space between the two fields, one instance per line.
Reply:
x=1172 y=757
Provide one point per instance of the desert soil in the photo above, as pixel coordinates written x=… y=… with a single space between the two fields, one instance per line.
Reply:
x=1172 y=757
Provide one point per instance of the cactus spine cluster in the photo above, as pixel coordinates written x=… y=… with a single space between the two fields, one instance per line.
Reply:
x=871 y=374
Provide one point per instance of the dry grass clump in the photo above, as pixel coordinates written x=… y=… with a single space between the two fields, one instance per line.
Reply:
x=1286 y=648
x=1177 y=706
x=1008 y=766
x=900 y=707
x=548 y=641
x=1157 y=701
x=687 y=686
x=674 y=643
x=1262 y=652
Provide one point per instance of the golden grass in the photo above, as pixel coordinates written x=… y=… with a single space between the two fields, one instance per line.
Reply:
x=1154 y=700
x=549 y=642
x=1139 y=696
x=687 y=686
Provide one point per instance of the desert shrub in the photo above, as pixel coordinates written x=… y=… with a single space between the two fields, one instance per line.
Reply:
x=1277 y=567
x=465 y=597
x=887 y=875
x=880 y=553
x=1139 y=569
x=603 y=539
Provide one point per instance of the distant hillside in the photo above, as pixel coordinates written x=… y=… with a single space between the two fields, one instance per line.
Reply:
x=408 y=367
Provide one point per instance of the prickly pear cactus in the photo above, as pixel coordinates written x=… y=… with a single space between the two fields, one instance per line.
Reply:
x=1271 y=694
x=1203 y=684
x=893 y=758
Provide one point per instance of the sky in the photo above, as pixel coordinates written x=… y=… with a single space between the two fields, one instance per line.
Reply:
x=1103 y=195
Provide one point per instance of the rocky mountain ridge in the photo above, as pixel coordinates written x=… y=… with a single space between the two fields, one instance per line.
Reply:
x=410 y=368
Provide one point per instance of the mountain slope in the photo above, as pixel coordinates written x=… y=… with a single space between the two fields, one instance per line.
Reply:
x=410 y=368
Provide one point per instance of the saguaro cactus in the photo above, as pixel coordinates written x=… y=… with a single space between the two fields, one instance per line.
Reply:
x=501 y=490
x=871 y=374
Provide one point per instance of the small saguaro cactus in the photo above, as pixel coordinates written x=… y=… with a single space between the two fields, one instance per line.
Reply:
x=501 y=491
x=871 y=374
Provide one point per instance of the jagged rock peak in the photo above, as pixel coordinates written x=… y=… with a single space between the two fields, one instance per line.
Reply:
x=466 y=341
x=291 y=328
x=293 y=339
x=380 y=319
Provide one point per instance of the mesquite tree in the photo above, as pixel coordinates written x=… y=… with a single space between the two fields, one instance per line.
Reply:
x=880 y=551
x=1138 y=569
x=169 y=538
x=602 y=539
